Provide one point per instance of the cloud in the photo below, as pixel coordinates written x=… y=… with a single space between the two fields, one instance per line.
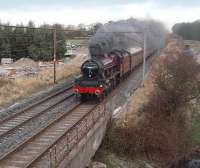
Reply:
x=62 y=15
x=23 y=4
x=168 y=15
x=177 y=3
x=74 y=15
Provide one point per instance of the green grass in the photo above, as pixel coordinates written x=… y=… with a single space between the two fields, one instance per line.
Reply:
x=196 y=126
x=196 y=49
x=195 y=45
x=112 y=160
x=78 y=41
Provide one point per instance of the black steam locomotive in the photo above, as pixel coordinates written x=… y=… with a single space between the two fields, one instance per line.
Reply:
x=104 y=71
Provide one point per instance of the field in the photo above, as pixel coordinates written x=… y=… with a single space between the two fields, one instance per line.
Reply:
x=78 y=41
x=195 y=45
x=197 y=130
x=18 y=87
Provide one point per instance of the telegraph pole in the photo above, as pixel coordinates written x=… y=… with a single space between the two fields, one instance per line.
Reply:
x=54 y=54
x=144 y=57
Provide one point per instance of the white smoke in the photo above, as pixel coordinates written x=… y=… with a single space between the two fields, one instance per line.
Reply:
x=125 y=34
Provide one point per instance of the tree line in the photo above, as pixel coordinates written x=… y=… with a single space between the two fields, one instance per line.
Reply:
x=37 y=43
x=17 y=42
x=189 y=31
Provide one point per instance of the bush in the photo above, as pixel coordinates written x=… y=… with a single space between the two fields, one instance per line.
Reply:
x=165 y=132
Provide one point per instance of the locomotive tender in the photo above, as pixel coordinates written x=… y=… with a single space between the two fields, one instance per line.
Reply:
x=104 y=71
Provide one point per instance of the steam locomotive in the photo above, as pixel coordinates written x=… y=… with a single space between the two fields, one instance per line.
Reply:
x=104 y=71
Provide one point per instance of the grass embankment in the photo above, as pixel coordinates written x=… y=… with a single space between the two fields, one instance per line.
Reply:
x=158 y=125
x=195 y=45
x=12 y=90
x=197 y=130
x=113 y=160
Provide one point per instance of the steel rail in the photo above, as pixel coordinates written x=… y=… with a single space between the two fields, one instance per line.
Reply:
x=42 y=153
x=35 y=104
x=39 y=132
x=35 y=116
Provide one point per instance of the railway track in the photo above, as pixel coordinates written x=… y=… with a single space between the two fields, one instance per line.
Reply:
x=45 y=99
x=19 y=126
x=27 y=153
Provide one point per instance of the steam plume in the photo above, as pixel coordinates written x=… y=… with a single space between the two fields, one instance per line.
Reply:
x=125 y=34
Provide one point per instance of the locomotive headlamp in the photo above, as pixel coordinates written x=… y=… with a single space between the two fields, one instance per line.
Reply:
x=97 y=92
x=76 y=90
x=101 y=86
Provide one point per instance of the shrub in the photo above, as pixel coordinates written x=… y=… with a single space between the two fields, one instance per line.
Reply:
x=165 y=132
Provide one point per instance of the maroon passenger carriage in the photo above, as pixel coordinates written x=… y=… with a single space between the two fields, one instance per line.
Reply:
x=104 y=71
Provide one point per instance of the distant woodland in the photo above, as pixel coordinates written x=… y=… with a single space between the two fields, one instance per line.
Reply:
x=189 y=31
x=37 y=44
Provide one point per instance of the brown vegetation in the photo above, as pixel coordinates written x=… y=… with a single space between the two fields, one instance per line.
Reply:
x=12 y=90
x=164 y=133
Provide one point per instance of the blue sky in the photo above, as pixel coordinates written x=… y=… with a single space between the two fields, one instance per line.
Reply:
x=89 y=11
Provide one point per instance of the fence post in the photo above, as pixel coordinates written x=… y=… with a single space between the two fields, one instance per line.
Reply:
x=54 y=54
x=144 y=57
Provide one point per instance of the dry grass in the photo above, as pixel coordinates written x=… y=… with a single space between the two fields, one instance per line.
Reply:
x=140 y=97
x=12 y=90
